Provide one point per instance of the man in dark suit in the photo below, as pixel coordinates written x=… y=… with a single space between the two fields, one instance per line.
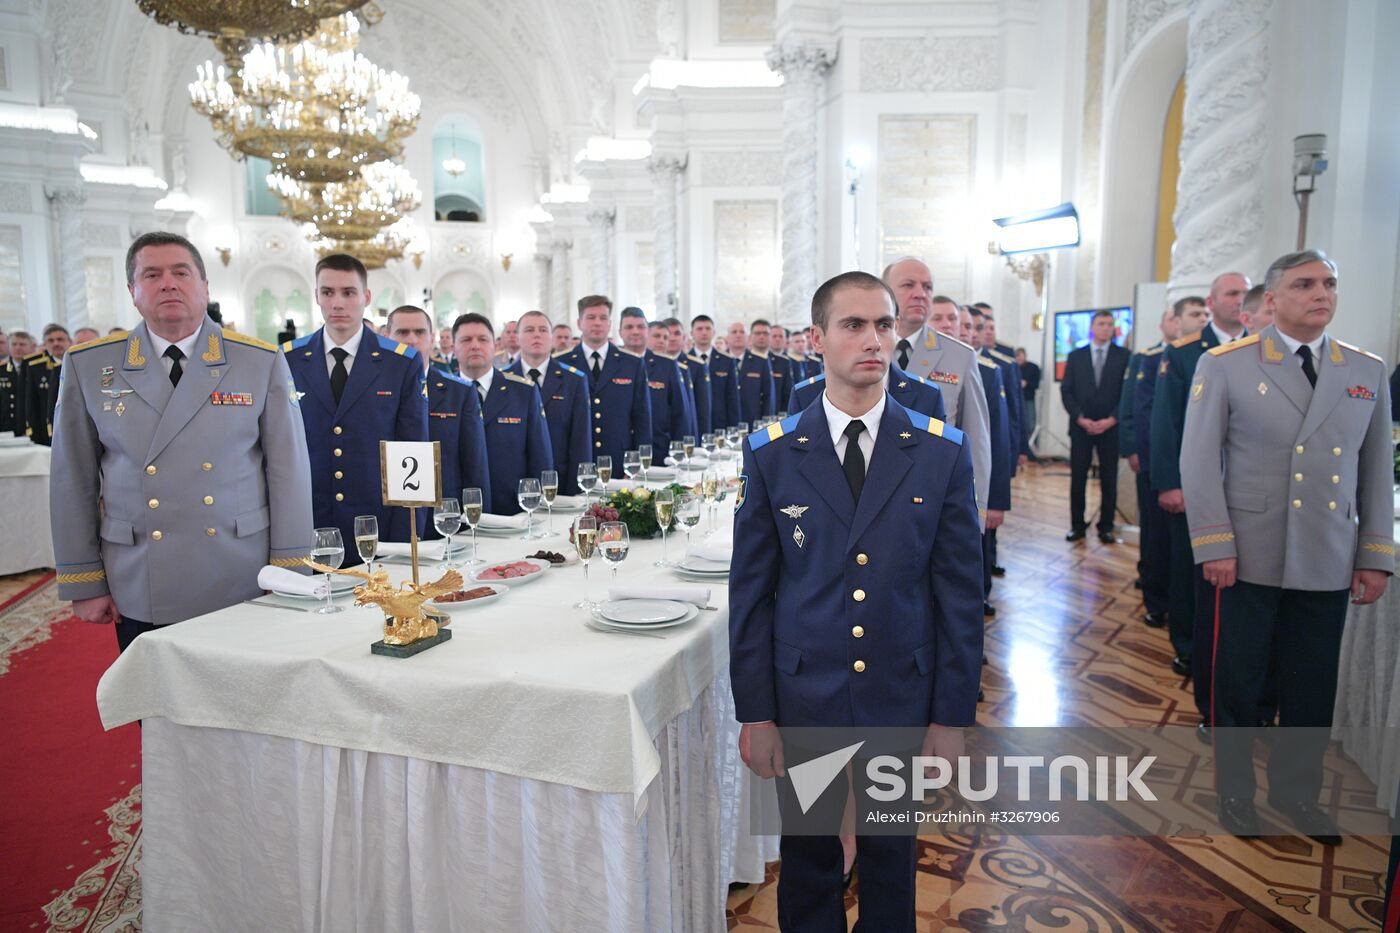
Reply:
x=1091 y=388
x=564 y=391
x=617 y=382
x=722 y=372
x=853 y=597
x=42 y=372
x=757 y=388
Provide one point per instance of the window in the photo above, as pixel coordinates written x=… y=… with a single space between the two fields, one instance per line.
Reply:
x=458 y=179
x=925 y=181
x=260 y=201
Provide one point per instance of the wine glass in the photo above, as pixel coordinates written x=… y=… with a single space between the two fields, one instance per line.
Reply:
x=688 y=448
x=709 y=489
x=708 y=442
x=328 y=548
x=631 y=463
x=675 y=454
x=471 y=515
x=585 y=543
x=644 y=455
x=587 y=478
x=614 y=541
x=549 y=485
x=664 y=501
x=688 y=513
x=367 y=539
x=447 y=519
x=605 y=468
x=528 y=494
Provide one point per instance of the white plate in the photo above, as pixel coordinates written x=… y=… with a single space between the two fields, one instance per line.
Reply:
x=498 y=592
x=12 y=441
x=337 y=590
x=483 y=532
x=460 y=550
x=513 y=581
x=642 y=611
x=690 y=613
x=703 y=565
x=660 y=472
x=709 y=577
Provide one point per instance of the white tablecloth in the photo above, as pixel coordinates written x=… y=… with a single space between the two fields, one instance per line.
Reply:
x=27 y=540
x=529 y=774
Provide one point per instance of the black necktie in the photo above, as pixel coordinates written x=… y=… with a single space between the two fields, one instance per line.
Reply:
x=903 y=347
x=173 y=353
x=339 y=374
x=535 y=376
x=1308 y=369
x=597 y=366
x=854 y=464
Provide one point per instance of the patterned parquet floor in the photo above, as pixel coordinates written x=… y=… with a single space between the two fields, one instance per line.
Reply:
x=1068 y=646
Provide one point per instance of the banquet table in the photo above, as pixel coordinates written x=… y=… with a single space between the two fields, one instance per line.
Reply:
x=24 y=495
x=528 y=774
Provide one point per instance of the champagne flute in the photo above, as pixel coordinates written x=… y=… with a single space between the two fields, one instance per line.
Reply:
x=664 y=501
x=709 y=489
x=604 y=471
x=614 y=541
x=631 y=463
x=688 y=512
x=676 y=455
x=549 y=485
x=707 y=441
x=528 y=494
x=447 y=519
x=471 y=514
x=587 y=478
x=644 y=455
x=688 y=448
x=367 y=538
x=585 y=542
x=328 y=548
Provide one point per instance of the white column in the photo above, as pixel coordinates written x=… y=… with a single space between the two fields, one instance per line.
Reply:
x=559 y=279
x=542 y=285
x=1220 y=192
x=600 y=223
x=803 y=67
x=665 y=172
x=68 y=206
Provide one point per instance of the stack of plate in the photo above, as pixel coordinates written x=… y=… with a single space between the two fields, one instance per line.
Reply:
x=700 y=568
x=340 y=586
x=9 y=440
x=636 y=614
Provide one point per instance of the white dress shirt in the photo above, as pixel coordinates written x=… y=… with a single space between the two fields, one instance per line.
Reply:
x=351 y=346
x=1223 y=337
x=1315 y=347
x=484 y=381
x=160 y=344
x=836 y=421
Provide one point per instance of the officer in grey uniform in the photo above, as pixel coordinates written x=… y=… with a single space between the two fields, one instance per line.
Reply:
x=1286 y=470
x=179 y=462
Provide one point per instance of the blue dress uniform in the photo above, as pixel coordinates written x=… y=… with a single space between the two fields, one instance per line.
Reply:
x=704 y=400
x=846 y=613
x=620 y=395
x=783 y=379
x=517 y=440
x=913 y=392
x=454 y=421
x=724 y=391
x=1015 y=404
x=1135 y=436
x=688 y=383
x=757 y=393
x=1003 y=458
x=567 y=414
x=670 y=413
x=384 y=399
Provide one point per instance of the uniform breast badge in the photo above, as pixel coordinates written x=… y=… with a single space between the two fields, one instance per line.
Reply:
x=1263 y=389
x=797 y=536
x=120 y=409
x=794 y=511
x=1361 y=392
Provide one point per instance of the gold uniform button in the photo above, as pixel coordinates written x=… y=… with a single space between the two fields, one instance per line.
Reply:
x=151 y=470
x=1336 y=451
x=156 y=535
x=208 y=500
x=597 y=443
x=154 y=503
x=210 y=532
x=339 y=475
x=597 y=430
x=340 y=497
x=858 y=632
x=862 y=559
x=1297 y=503
x=597 y=415
x=336 y=430
x=1298 y=449
x=859 y=666
x=597 y=401
x=858 y=596
x=1332 y=506
x=1297 y=477
x=1336 y=479
x=336 y=451
x=207 y=467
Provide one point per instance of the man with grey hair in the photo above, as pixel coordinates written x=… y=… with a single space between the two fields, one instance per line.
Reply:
x=1299 y=423
x=928 y=348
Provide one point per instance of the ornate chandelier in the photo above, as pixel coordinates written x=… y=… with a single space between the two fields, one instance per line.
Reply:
x=357 y=209
x=318 y=110
x=235 y=24
x=389 y=244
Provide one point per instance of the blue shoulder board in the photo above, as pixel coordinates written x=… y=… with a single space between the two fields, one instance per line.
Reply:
x=402 y=349
x=935 y=427
x=570 y=369
x=298 y=343
x=452 y=377
x=809 y=381
x=774 y=431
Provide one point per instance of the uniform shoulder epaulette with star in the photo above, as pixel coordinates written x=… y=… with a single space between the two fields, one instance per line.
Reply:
x=97 y=342
x=514 y=378
x=236 y=337
x=1233 y=345
x=628 y=352
x=774 y=431
x=297 y=344
x=402 y=349
x=998 y=355
x=1186 y=341
x=558 y=353
x=1153 y=351
x=726 y=354
x=572 y=369
x=811 y=380
x=40 y=354
x=934 y=426
x=983 y=361
x=1340 y=343
x=450 y=377
x=958 y=342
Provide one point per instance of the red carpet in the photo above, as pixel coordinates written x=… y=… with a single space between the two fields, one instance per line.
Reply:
x=70 y=793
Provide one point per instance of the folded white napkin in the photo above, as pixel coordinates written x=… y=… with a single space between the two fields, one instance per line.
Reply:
x=699 y=595
x=503 y=522
x=289 y=581
x=427 y=550
x=568 y=502
x=720 y=550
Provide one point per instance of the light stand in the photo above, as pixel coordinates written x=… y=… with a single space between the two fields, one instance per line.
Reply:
x=1309 y=161
x=853 y=173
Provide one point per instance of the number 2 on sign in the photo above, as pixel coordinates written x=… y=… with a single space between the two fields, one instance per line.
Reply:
x=409 y=482
x=411 y=472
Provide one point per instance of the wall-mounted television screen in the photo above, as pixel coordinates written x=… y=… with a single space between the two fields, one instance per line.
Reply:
x=1072 y=331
